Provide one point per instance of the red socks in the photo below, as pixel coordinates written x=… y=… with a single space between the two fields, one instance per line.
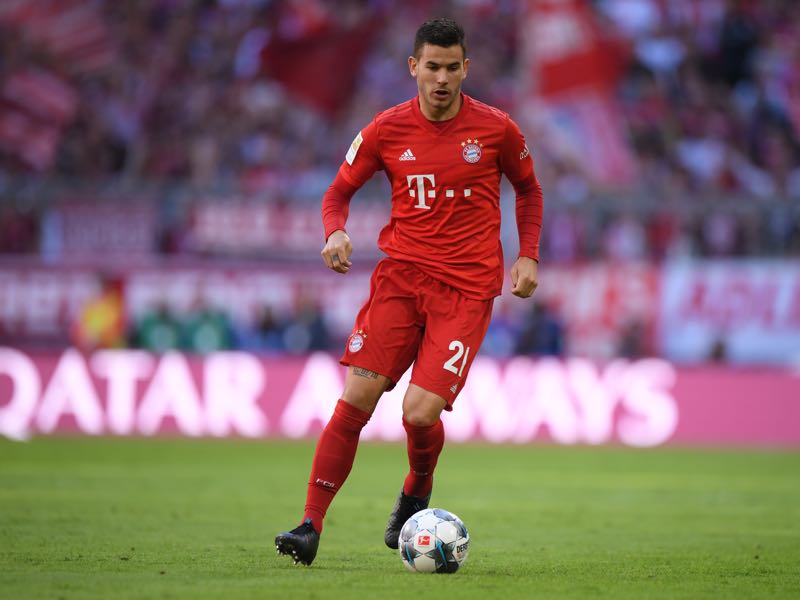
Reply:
x=333 y=459
x=424 y=446
x=336 y=451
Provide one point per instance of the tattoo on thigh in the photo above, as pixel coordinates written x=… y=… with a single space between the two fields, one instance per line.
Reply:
x=365 y=373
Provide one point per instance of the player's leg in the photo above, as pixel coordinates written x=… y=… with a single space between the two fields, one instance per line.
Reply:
x=333 y=460
x=454 y=330
x=380 y=350
x=425 y=439
x=336 y=448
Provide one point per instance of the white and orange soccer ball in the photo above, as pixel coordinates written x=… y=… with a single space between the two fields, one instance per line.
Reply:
x=434 y=541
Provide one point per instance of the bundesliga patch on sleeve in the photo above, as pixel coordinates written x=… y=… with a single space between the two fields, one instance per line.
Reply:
x=351 y=153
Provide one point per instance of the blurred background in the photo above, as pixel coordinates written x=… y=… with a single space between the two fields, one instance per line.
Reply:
x=162 y=164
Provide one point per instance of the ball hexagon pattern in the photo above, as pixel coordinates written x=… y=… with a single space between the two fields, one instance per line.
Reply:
x=434 y=541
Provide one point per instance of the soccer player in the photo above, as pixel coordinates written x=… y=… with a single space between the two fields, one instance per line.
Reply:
x=431 y=298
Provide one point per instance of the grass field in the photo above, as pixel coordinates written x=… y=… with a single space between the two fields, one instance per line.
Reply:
x=104 y=518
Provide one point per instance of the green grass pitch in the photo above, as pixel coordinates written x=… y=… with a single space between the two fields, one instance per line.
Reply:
x=115 y=518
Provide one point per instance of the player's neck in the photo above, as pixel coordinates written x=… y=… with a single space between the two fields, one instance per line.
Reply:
x=446 y=114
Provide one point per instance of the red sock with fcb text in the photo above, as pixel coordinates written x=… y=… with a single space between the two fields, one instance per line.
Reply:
x=333 y=459
x=424 y=446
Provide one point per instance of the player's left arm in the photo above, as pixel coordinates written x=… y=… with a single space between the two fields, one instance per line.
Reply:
x=517 y=164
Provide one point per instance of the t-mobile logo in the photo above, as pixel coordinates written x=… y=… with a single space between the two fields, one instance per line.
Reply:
x=417 y=190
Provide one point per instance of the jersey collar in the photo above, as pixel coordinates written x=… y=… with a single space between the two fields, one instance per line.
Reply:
x=466 y=103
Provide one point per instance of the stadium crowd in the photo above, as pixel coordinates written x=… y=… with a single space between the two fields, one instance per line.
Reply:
x=180 y=91
x=196 y=95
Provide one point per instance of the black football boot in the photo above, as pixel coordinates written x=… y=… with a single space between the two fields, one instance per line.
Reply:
x=300 y=543
x=403 y=509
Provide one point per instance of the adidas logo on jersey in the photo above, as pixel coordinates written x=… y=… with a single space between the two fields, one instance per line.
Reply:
x=408 y=155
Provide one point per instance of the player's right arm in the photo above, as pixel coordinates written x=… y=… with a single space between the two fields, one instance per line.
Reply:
x=361 y=162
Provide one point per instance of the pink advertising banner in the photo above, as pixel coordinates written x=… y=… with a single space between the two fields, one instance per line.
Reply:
x=639 y=403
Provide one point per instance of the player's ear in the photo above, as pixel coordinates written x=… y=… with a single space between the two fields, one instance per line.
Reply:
x=466 y=68
x=412 y=66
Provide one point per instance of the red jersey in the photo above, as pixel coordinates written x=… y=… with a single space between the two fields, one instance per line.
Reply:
x=445 y=179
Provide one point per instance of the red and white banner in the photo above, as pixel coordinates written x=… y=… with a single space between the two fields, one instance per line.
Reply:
x=594 y=302
x=37 y=302
x=681 y=310
x=597 y=301
x=751 y=308
x=640 y=403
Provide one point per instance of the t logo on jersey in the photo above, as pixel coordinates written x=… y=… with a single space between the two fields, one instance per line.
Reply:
x=421 y=193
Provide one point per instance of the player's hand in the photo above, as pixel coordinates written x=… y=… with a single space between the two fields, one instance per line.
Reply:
x=523 y=277
x=336 y=252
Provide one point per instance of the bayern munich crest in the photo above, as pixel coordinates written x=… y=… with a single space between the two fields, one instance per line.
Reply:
x=471 y=150
x=356 y=342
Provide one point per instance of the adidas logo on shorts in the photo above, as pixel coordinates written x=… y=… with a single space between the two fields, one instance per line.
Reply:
x=408 y=155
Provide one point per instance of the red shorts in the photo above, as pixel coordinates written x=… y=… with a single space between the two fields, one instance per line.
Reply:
x=411 y=317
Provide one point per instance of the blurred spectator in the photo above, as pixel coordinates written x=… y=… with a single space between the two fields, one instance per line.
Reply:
x=205 y=329
x=632 y=343
x=501 y=336
x=625 y=239
x=719 y=351
x=306 y=331
x=101 y=323
x=265 y=335
x=542 y=333
x=564 y=238
x=19 y=231
x=157 y=331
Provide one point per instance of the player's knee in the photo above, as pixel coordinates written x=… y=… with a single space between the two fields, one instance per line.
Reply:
x=421 y=416
x=422 y=408
x=361 y=399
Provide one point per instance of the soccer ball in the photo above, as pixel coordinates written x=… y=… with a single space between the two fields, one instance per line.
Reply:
x=433 y=541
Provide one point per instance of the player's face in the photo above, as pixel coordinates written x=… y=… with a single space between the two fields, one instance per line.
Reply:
x=439 y=72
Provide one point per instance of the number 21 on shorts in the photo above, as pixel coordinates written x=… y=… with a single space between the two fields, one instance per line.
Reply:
x=461 y=354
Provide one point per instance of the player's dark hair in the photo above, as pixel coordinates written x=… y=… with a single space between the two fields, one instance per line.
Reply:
x=439 y=32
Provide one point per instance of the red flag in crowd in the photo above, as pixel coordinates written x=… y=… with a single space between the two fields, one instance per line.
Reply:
x=320 y=63
x=573 y=68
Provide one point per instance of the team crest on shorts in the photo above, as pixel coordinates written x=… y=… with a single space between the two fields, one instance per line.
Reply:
x=356 y=341
x=471 y=150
